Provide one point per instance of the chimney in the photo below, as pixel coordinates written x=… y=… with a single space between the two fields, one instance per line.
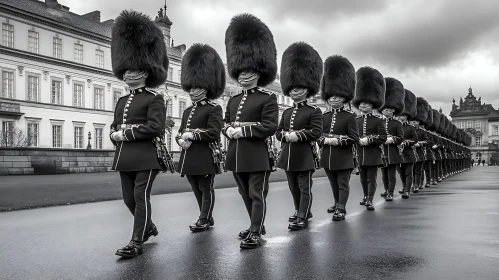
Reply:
x=51 y=3
x=93 y=16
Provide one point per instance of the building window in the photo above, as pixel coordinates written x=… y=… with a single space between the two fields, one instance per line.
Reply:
x=98 y=98
x=116 y=97
x=179 y=75
x=8 y=35
x=99 y=58
x=33 y=41
x=495 y=130
x=7 y=84
x=169 y=142
x=170 y=74
x=98 y=138
x=169 y=109
x=469 y=124
x=33 y=134
x=181 y=108
x=478 y=125
x=78 y=53
x=78 y=137
x=7 y=133
x=57 y=46
x=56 y=136
x=33 y=84
x=461 y=125
x=478 y=141
x=56 y=90
x=78 y=95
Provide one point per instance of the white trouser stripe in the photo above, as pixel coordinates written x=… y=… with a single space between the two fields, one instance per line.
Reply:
x=309 y=193
x=145 y=204
x=211 y=196
x=264 y=202
x=119 y=153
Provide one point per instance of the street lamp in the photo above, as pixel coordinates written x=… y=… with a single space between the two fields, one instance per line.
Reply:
x=89 y=146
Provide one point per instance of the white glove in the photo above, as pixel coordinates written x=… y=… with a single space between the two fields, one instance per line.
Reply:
x=293 y=137
x=118 y=136
x=434 y=147
x=335 y=141
x=186 y=145
x=417 y=145
x=389 y=140
x=180 y=142
x=238 y=133
x=363 y=141
x=187 y=136
x=230 y=132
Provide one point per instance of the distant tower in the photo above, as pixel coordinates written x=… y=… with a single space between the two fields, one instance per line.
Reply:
x=165 y=25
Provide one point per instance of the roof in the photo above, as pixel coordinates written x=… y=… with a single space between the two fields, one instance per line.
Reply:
x=38 y=8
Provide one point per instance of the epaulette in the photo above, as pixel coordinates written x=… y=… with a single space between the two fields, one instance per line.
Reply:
x=379 y=117
x=152 y=91
x=265 y=91
x=212 y=103
x=349 y=111
x=313 y=106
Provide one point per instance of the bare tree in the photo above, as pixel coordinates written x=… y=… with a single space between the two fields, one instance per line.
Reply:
x=14 y=138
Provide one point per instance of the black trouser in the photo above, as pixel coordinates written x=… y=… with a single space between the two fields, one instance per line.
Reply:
x=340 y=183
x=253 y=187
x=136 y=187
x=300 y=185
x=427 y=171
x=202 y=186
x=435 y=171
x=418 y=168
x=406 y=175
x=368 y=176
x=389 y=178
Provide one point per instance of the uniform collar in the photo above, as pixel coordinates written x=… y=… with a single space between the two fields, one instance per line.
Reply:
x=337 y=110
x=300 y=104
x=367 y=115
x=202 y=102
x=251 y=90
x=138 y=90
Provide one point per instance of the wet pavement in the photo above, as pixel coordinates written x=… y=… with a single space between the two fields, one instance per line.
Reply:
x=450 y=231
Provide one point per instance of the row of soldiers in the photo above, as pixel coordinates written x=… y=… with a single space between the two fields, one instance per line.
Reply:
x=411 y=136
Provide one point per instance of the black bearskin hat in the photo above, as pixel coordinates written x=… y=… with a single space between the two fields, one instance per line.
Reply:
x=436 y=120
x=394 y=95
x=448 y=127
x=441 y=126
x=338 y=78
x=138 y=44
x=370 y=87
x=421 y=109
x=429 y=117
x=410 y=105
x=301 y=66
x=250 y=46
x=454 y=131
x=202 y=67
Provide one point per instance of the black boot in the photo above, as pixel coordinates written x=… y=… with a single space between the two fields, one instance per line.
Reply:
x=339 y=215
x=406 y=195
x=253 y=241
x=363 y=201
x=427 y=185
x=369 y=206
x=133 y=249
x=389 y=197
x=294 y=217
x=200 y=225
x=298 y=224
x=332 y=209
x=384 y=194
x=401 y=192
x=244 y=234
x=152 y=231
x=415 y=189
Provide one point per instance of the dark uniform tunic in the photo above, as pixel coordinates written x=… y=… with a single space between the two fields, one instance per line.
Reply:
x=141 y=115
x=394 y=129
x=421 y=159
x=249 y=157
x=338 y=161
x=374 y=129
x=204 y=120
x=297 y=158
x=409 y=155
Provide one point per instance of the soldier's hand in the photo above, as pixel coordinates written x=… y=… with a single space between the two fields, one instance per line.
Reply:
x=363 y=141
x=389 y=140
x=335 y=141
x=181 y=142
x=186 y=145
x=417 y=145
x=293 y=137
x=238 y=133
x=230 y=132
x=118 y=136
x=434 y=147
x=187 y=136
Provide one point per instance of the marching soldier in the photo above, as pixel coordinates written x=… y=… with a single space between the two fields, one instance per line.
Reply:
x=251 y=118
x=338 y=154
x=420 y=117
x=203 y=76
x=430 y=155
x=409 y=153
x=300 y=127
x=435 y=170
x=139 y=58
x=369 y=95
x=394 y=105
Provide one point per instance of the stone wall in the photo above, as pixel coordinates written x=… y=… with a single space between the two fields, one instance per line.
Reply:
x=43 y=161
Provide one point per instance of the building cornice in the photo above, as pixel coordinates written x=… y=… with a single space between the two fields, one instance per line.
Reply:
x=57 y=106
x=54 y=24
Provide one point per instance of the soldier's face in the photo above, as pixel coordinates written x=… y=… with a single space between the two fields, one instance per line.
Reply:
x=133 y=77
x=298 y=94
x=248 y=78
x=365 y=107
x=402 y=118
x=388 y=112
x=336 y=101
x=197 y=94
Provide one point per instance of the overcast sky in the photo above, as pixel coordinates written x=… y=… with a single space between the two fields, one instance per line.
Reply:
x=436 y=48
